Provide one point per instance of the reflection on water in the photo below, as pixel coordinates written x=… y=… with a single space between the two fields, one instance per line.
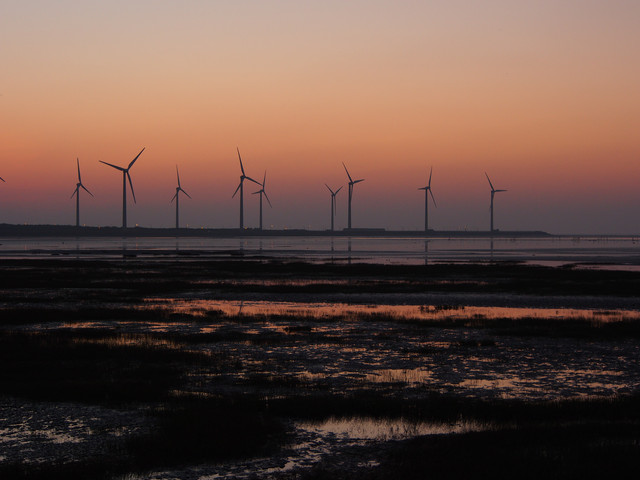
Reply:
x=607 y=252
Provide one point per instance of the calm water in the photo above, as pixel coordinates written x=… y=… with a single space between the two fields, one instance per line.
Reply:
x=624 y=253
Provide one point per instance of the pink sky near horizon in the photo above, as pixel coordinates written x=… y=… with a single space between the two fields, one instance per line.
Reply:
x=541 y=95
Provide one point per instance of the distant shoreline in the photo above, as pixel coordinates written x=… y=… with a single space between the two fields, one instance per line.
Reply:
x=9 y=230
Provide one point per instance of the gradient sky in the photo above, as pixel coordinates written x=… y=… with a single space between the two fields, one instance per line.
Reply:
x=544 y=96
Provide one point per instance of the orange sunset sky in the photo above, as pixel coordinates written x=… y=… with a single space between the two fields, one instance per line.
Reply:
x=543 y=95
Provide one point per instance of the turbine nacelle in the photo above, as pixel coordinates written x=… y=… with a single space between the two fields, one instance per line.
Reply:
x=428 y=189
x=179 y=188
x=125 y=172
x=262 y=190
x=79 y=185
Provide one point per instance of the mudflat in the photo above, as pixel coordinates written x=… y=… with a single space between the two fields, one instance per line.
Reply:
x=270 y=368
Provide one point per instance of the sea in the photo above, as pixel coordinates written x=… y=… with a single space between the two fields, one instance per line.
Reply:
x=622 y=253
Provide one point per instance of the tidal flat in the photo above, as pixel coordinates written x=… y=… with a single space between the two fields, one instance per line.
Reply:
x=260 y=367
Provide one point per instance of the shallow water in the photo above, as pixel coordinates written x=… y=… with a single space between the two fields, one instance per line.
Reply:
x=605 y=252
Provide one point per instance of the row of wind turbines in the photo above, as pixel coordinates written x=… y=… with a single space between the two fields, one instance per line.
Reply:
x=126 y=176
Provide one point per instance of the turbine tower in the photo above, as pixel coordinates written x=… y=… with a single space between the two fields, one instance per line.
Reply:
x=493 y=192
x=262 y=192
x=427 y=191
x=176 y=197
x=125 y=175
x=333 y=202
x=76 y=192
x=241 y=188
x=351 y=184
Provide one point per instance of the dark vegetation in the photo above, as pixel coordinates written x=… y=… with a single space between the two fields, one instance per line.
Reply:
x=133 y=278
x=207 y=402
x=584 y=451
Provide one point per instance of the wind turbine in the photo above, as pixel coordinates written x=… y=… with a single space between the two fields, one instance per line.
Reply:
x=241 y=188
x=125 y=175
x=261 y=192
x=493 y=192
x=176 y=197
x=351 y=184
x=427 y=191
x=76 y=192
x=333 y=202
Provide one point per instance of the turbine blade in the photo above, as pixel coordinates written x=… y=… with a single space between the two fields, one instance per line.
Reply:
x=240 y=158
x=264 y=179
x=78 y=162
x=256 y=193
x=185 y=193
x=114 y=166
x=2 y=179
x=345 y=169
x=430 y=173
x=86 y=190
x=234 y=193
x=329 y=189
x=131 y=185
x=134 y=160
x=249 y=178
x=423 y=188
x=490 y=184
x=358 y=181
x=267 y=197
x=433 y=198
x=338 y=191
x=75 y=192
x=174 y=197
x=178 y=175
x=500 y=191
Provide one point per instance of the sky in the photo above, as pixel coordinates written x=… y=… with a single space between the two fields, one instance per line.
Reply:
x=543 y=96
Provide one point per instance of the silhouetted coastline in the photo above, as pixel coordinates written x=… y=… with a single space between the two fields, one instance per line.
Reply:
x=10 y=230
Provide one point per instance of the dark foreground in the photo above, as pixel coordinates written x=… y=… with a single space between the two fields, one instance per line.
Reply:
x=208 y=369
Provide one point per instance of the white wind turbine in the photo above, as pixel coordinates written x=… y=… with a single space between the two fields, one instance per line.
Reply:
x=351 y=184
x=333 y=202
x=241 y=188
x=125 y=175
x=493 y=192
x=76 y=192
x=262 y=192
x=427 y=191
x=176 y=197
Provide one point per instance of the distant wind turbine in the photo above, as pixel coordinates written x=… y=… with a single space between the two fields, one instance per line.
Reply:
x=351 y=184
x=176 y=197
x=262 y=192
x=76 y=192
x=125 y=175
x=333 y=202
x=241 y=188
x=427 y=191
x=493 y=192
